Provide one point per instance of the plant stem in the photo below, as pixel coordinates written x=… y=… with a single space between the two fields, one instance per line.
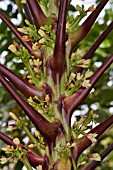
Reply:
x=26 y=163
x=29 y=134
x=35 y=80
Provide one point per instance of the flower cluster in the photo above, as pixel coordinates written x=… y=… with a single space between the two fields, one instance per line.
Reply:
x=73 y=22
x=16 y=153
x=84 y=123
x=78 y=61
x=77 y=80
x=19 y=122
x=44 y=107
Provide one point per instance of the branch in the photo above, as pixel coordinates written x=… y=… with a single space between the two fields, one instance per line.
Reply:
x=72 y=102
x=48 y=130
x=58 y=58
x=84 y=28
x=28 y=14
x=83 y=143
x=37 y=13
x=17 y=33
x=96 y=44
x=22 y=85
x=33 y=159
x=94 y=164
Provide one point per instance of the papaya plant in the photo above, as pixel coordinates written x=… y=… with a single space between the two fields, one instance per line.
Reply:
x=56 y=82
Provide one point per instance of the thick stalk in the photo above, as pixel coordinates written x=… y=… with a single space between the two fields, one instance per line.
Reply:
x=72 y=102
x=22 y=85
x=94 y=164
x=83 y=143
x=58 y=59
x=33 y=159
x=28 y=13
x=48 y=130
x=17 y=33
x=84 y=28
x=96 y=44
x=37 y=13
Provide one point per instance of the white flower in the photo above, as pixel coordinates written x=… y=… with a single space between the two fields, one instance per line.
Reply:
x=12 y=48
x=11 y=129
x=92 y=90
x=23 y=1
x=70 y=145
x=22 y=30
x=39 y=167
x=4 y=149
x=37 y=134
x=12 y=115
x=31 y=62
x=47 y=97
x=42 y=40
x=67 y=25
x=86 y=83
x=73 y=75
x=36 y=62
x=92 y=137
x=95 y=156
x=88 y=74
x=79 y=52
x=79 y=76
x=3 y=160
x=16 y=141
x=36 y=70
x=41 y=33
x=86 y=62
x=35 y=46
x=31 y=145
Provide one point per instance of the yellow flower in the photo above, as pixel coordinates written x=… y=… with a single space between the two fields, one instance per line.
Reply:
x=13 y=116
x=92 y=137
x=16 y=141
x=12 y=48
x=3 y=160
x=79 y=77
x=88 y=74
x=86 y=83
x=41 y=33
x=95 y=156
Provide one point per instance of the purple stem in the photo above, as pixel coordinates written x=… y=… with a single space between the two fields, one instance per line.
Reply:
x=94 y=164
x=72 y=102
x=85 y=27
x=83 y=143
x=58 y=58
x=22 y=85
x=28 y=13
x=33 y=159
x=37 y=13
x=47 y=129
x=96 y=44
x=17 y=33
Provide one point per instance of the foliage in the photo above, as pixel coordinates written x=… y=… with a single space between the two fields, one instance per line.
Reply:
x=57 y=83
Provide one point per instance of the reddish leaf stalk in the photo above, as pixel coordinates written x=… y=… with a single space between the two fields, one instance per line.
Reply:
x=84 y=28
x=33 y=159
x=83 y=143
x=48 y=130
x=94 y=164
x=22 y=85
x=58 y=58
x=37 y=13
x=96 y=44
x=17 y=33
x=28 y=13
x=72 y=102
